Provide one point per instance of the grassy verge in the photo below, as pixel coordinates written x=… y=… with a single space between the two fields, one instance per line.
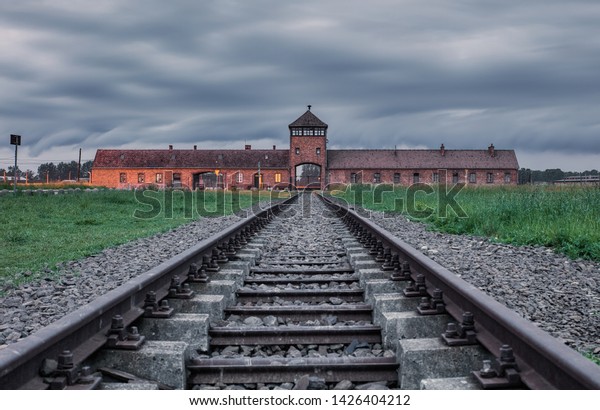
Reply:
x=40 y=231
x=566 y=219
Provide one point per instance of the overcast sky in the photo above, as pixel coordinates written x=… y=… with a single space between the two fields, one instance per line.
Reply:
x=522 y=75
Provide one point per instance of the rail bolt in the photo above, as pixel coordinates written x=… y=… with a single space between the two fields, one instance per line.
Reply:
x=451 y=330
x=65 y=360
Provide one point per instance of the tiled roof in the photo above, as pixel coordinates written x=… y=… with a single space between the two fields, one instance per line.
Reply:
x=178 y=158
x=308 y=119
x=414 y=159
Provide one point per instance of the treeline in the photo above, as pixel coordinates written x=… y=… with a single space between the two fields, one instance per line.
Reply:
x=51 y=171
x=529 y=176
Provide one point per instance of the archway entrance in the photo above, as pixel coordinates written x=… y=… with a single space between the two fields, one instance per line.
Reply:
x=308 y=176
x=207 y=180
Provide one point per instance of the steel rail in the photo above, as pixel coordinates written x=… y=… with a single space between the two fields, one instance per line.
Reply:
x=85 y=330
x=545 y=363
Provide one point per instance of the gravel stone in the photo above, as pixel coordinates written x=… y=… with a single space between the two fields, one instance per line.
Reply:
x=77 y=283
x=560 y=295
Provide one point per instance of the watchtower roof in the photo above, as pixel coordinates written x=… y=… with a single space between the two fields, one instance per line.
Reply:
x=308 y=119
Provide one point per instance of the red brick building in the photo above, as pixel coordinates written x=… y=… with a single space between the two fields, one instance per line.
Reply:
x=307 y=162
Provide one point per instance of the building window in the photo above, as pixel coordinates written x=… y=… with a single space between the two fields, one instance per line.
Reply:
x=416 y=178
x=397 y=178
x=176 y=179
x=455 y=177
x=377 y=178
x=472 y=177
x=277 y=177
x=297 y=151
x=159 y=178
x=239 y=177
x=507 y=177
x=353 y=178
x=436 y=177
x=308 y=131
x=122 y=177
x=141 y=178
x=489 y=178
x=318 y=151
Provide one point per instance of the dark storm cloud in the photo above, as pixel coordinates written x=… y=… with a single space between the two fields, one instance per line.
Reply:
x=519 y=74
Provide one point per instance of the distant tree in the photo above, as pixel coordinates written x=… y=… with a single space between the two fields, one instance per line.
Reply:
x=310 y=170
x=67 y=170
x=551 y=175
x=11 y=171
x=524 y=176
x=86 y=167
x=29 y=175
x=48 y=171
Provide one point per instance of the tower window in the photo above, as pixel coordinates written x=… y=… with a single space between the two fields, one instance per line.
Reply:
x=297 y=151
x=318 y=151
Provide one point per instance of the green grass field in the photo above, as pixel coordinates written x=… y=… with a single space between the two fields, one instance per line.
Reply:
x=566 y=219
x=37 y=232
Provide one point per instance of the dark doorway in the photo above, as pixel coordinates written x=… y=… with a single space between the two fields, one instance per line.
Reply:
x=206 y=180
x=308 y=176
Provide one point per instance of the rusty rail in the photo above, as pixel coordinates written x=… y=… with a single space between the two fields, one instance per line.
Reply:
x=84 y=331
x=544 y=362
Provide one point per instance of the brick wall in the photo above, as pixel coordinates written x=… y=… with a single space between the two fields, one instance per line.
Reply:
x=228 y=177
x=407 y=176
x=308 y=146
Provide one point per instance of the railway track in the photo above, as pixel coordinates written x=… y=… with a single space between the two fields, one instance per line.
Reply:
x=317 y=297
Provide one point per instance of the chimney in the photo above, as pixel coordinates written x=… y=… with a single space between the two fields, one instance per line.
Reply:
x=491 y=150
x=170 y=148
x=248 y=147
x=274 y=147
x=443 y=150
x=195 y=147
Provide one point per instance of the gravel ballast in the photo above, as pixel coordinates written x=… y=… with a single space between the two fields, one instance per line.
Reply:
x=32 y=306
x=560 y=295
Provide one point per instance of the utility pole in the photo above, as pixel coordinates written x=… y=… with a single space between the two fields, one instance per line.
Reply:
x=79 y=165
x=16 y=141
x=259 y=175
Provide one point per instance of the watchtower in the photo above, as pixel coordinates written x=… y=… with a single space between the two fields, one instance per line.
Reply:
x=308 y=151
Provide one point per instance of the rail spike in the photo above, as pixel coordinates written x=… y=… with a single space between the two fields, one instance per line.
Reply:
x=120 y=338
x=500 y=373
x=154 y=310
x=463 y=334
x=196 y=275
x=65 y=375
x=177 y=290
x=434 y=305
x=416 y=288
